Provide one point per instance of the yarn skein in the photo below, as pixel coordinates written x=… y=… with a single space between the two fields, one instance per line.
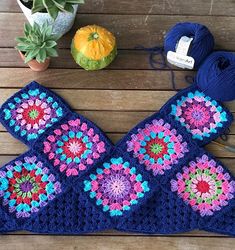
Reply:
x=201 y=46
x=216 y=76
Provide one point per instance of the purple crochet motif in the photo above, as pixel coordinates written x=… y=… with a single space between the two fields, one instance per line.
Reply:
x=27 y=185
x=157 y=146
x=73 y=147
x=32 y=113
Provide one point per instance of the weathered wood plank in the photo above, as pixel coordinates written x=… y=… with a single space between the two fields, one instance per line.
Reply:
x=103 y=79
x=9 y=145
x=148 y=7
x=116 y=121
x=141 y=30
x=126 y=59
x=125 y=100
x=112 y=242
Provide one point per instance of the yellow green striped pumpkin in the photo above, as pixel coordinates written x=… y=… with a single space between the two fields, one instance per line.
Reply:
x=93 y=47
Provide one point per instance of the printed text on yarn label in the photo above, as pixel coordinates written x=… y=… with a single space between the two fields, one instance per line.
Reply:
x=180 y=57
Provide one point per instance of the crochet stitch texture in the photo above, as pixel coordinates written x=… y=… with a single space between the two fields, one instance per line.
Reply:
x=157 y=179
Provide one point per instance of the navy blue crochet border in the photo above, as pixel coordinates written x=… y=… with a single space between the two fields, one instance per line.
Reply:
x=120 y=150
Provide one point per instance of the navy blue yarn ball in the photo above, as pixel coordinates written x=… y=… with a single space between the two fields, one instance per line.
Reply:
x=201 y=46
x=216 y=76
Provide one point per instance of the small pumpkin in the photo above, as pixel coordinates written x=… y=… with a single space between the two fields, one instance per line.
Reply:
x=93 y=47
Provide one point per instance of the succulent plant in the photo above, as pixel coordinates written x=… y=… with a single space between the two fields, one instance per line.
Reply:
x=53 y=7
x=38 y=42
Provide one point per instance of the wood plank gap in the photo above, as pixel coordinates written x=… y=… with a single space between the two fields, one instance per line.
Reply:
x=133 y=13
x=120 y=234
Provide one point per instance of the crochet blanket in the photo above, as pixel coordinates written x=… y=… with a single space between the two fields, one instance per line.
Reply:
x=156 y=179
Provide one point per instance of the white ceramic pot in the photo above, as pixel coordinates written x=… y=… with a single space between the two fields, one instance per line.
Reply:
x=61 y=25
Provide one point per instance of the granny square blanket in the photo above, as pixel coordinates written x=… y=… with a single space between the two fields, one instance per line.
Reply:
x=156 y=179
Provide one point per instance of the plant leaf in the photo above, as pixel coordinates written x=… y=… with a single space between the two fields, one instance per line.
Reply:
x=37 y=40
x=41 y=56
x=50 y=44
x=37 y=6
x=21 y=39
x=69 y=7
x=51 y=8
x=31 y=55
x=59 y=3
x=52 y=52
x=27 y=29
x=75 y=1
x=21 y=48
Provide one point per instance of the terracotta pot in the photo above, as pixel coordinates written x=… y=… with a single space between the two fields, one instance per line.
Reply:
x=35 y=65
x=61 y=25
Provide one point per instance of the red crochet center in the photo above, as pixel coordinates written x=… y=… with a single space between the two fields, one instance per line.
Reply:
x=203 y=186
x=35 y=120
x=37 y=179
x=159 y=142
x=80 y=150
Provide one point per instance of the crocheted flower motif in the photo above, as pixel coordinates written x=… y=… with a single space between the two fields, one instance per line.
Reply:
x=204 y=185
x=157 y=146
x=31 y=114
x=26 y=186
x=199 y=114
x=73 y=146
x=116 y=187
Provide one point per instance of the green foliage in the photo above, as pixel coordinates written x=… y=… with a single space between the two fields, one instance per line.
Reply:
x=38 y=42
x=53 y=7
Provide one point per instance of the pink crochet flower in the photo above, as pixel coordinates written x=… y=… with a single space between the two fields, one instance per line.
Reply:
x=157 y=146
x=32 y=113
x=73 y=146
x=199 y=114
x=204 y=185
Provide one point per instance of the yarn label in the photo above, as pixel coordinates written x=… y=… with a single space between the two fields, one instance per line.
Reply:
x=180 y=58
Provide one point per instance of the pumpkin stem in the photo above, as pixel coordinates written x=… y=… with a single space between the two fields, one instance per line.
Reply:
x=93 y=36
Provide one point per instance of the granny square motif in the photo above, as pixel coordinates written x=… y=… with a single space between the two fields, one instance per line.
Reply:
x=199 y=114
x=31 y=111
x=116 y=186
x=203 y=117
x=73 y=146
x=157 y=146
x=156 y=179
x=27 y=185
x=205 y=185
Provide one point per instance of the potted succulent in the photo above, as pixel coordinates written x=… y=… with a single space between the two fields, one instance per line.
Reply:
x=60 y=13
x=37 y=46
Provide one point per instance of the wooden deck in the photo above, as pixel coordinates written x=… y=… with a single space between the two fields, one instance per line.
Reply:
x=115 y=98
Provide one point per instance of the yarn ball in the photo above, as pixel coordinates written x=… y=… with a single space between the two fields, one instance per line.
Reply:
x=201 y=46
x=216 y=76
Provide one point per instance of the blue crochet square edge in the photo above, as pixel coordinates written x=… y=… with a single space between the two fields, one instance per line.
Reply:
x=37 y=165
x=157 y=227
x=166 y=110
x=149 y=186
x=205 y=220
x=32 y=225
x=39 y=145
x=192 y=147
x=11 y=100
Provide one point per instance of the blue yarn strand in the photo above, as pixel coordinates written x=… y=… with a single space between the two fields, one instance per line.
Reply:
x=155 y=64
